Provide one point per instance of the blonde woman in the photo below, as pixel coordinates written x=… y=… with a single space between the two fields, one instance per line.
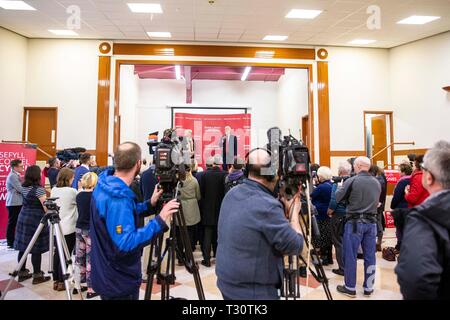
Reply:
x=83 y=241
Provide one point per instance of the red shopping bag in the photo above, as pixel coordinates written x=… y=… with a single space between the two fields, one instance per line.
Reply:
x=389 y=219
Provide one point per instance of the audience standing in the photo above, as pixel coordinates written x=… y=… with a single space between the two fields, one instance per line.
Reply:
x=30 y=216
x=235 y=176
x=362 y=194
x=69 y=214
x=53 y=171
x=212 y=193
x=415 y=193
x=83 y=241
x=189 y=196
x=337 y=210
x=423 y=269
x=85 y=162
x=320 y=198
x=14 y=199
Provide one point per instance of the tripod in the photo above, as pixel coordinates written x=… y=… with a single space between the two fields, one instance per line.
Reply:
x=291 y=283
x=51 y=216
x=171 y=249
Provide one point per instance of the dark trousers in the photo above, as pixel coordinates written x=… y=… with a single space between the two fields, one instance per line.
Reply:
x=191 y=230
x=36 y=259
x=57 y=270
x=133 y=296
x=337 y=227
x=209 y=240
x=13 y=214
x=199 y=234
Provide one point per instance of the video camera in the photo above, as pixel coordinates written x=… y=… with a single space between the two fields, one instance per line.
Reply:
x=170 y=162
x=294 y=164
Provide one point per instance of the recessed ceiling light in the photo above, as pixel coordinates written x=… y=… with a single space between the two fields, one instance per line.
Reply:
x=159 y=34
x=145 y=7
x=361 y=41
x=418 y=20
x=246 y=73
x=15 y=5
x=303 y=14
x=275 y=38
x=64 y=32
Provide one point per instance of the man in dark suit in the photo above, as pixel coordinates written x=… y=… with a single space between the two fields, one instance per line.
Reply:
x=229 y=148
x=212 y=188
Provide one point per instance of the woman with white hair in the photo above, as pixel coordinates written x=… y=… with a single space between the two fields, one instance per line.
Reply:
x=321 y=199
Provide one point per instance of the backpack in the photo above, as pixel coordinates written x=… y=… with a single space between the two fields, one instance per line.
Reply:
x=231 y=184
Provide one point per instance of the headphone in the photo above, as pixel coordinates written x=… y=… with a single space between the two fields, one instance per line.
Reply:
x=273 y=172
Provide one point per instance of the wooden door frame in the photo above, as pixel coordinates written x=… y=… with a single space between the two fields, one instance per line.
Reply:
x=132 y=53
x=26 y=108
x=391 y=128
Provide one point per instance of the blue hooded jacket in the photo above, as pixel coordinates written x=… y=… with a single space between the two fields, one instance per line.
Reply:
x=116 y=242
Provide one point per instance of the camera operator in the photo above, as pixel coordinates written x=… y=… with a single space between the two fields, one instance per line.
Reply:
x=337 y=210
x=254 y=234
x=362 y=193
x=116 y=241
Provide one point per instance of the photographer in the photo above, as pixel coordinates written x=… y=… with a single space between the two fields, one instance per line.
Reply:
x=254 y=234
x=362 y=193
x=336 y=210
x=116 y=241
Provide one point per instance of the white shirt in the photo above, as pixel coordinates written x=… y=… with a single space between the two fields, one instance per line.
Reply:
x=68 y=211
x=85 y=165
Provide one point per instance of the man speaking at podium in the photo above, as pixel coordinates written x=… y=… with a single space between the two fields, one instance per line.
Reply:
x=229 y=148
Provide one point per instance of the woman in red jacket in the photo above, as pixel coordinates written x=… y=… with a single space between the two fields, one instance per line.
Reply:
x=415 y=193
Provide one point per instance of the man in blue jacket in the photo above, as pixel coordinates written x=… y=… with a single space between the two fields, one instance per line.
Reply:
x=117 y=242
x=254 y=234
x=85 y=162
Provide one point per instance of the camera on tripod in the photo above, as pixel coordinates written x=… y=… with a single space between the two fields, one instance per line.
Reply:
x=51 y=205
x=170 y=162
x=294 y=164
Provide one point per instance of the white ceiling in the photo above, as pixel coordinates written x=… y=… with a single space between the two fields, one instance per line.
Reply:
x=236 y=21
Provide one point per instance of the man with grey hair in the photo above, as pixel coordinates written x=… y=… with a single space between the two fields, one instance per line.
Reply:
x=423 y=269
x=362 y=194
x=337 y=210
x=229 y=148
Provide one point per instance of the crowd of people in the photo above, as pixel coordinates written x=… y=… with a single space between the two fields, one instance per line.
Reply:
x=238 y=217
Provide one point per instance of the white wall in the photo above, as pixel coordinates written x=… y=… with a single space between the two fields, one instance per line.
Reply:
x=292 y=102
x=13 y=65
x=358 y=81
x=418 y=71
x=129 y=96
x=64 y=74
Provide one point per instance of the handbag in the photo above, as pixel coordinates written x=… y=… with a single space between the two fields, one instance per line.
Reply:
x=388 y=254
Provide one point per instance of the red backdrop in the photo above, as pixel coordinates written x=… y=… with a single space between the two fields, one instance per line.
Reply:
x=208 y=130
x=8 y=152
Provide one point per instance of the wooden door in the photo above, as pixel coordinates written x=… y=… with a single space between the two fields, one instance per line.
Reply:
x=40 y=127
x=379 y=140
x=305 y=129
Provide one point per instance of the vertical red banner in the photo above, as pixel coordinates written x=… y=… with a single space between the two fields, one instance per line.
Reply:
x=208 y=131
x=8 y=152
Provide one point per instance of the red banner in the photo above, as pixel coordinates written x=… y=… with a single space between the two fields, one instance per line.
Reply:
x=392 y=176
x=208 y=131
x=8 y=152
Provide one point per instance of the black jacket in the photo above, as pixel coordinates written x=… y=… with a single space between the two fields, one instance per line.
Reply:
x=212 y=188
x=423 y=269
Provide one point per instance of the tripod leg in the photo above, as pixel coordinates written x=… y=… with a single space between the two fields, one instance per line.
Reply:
x=59 y=242
x=24 y=258
x=151 y=269
x=51 y=248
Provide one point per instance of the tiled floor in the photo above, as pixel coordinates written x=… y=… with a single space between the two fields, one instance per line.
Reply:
x=386 y=287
